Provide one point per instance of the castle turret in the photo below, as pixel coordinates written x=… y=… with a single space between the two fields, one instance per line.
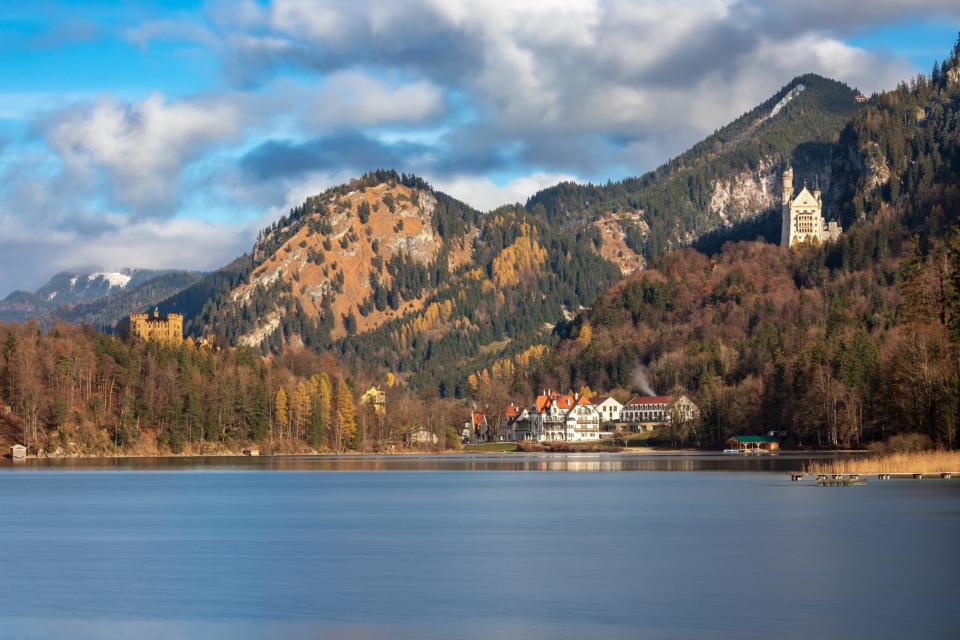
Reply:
x=786 y=220
x=787 y=184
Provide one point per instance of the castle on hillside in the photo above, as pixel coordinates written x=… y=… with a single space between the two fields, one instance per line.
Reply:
x=803 y=216
x=169 y=329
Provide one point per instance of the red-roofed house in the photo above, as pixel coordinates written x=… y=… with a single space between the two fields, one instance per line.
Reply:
x=475 y=429
x=558 y=417
x=643 y=413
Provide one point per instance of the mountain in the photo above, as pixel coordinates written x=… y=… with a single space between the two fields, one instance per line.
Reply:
x=386 y=272
x=730 y=176
x=840 y=344
x=98 y=298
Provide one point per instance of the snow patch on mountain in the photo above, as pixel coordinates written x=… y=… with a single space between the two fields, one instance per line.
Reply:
x=115 y=279
x=793 y=93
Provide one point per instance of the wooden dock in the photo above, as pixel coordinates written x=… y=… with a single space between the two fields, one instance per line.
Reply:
x=840 y=480
x=859 y=479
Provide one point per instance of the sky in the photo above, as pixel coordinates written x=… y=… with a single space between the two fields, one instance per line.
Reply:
x=166 y=134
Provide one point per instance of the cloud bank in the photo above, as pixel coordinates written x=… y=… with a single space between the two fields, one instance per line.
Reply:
x=490 y=100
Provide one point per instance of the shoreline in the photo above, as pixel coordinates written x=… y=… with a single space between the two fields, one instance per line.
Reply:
x=638 y=451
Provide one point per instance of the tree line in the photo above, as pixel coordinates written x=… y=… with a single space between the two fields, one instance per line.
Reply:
x=73 y=390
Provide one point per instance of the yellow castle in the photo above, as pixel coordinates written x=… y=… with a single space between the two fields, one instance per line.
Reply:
x=169 y=329
x=803 y=216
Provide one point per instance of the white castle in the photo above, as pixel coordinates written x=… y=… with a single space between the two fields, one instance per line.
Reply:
x=803 y=216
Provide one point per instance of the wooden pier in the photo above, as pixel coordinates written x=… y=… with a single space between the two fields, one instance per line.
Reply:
x=859 y=479
x=841 y=480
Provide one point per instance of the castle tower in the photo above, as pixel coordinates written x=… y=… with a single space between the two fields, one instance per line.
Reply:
x=787 y=222
x=787 y=184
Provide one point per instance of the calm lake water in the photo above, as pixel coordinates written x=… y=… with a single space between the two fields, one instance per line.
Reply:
x=430 y=548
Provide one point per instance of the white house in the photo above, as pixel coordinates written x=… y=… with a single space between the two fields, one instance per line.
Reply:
x=608 y=408
x=643 y=413
x=420 y=437
x=583 y=422
x=556 y=417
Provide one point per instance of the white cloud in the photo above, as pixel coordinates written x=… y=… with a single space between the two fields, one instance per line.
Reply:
x=568 y=86
x=356 y=98
x=33 y=251
x=143 y=147
x=549 y=67
x=180 y=30
x=483 y=193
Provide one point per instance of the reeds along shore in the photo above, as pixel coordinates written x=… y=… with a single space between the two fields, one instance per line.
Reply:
x=914 y=462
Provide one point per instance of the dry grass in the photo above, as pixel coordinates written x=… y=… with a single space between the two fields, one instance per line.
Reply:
x=913 y=462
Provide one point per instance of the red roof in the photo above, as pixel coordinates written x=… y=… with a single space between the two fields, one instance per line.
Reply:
x=512 y=411
x=478 y=418
x=652 y=400
x=540 y=403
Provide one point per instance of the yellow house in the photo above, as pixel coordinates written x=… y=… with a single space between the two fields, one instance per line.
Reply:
x=374 y=396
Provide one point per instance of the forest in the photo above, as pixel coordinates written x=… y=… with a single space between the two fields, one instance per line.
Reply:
x=71 y=390
x=840 y=344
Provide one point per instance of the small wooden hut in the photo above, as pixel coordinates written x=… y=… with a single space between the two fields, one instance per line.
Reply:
x=754 y=443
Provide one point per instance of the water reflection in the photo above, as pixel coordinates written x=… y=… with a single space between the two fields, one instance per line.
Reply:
x=572 y=462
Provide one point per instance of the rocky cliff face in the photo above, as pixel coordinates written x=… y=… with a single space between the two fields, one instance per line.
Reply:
x=620 y=235
x=746 y=194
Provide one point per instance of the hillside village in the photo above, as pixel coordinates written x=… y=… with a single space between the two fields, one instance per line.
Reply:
x=571 y=417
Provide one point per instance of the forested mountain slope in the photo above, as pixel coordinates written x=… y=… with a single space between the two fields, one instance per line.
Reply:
x=839 y=344
x=729 y=176
x=390 y=274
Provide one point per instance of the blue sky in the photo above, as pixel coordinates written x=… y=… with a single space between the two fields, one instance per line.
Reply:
x=162 y=134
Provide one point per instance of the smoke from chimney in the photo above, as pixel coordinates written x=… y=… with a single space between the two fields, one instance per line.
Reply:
x=640 y=381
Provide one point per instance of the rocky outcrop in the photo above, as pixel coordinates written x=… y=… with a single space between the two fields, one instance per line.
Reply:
x=746 y=194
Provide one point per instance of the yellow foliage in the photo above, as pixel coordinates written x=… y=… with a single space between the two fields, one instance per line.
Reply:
x=506 y=368
x=585 y=335
x=281 y=407
x=525 y=255
x=474 y=383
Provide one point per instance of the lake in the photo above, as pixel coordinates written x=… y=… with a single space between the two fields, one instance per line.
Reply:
x=621 y=546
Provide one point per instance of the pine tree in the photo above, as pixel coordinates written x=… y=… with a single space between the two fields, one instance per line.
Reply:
x=259 y=420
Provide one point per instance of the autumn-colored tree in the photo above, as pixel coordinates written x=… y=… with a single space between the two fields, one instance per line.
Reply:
x=585 y=335
x=346 y=414
x=300 y=408
x=320 y=409
x=280 y=411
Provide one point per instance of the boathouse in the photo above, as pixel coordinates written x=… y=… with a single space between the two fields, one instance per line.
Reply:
x=749 y=443
x=18 y=452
